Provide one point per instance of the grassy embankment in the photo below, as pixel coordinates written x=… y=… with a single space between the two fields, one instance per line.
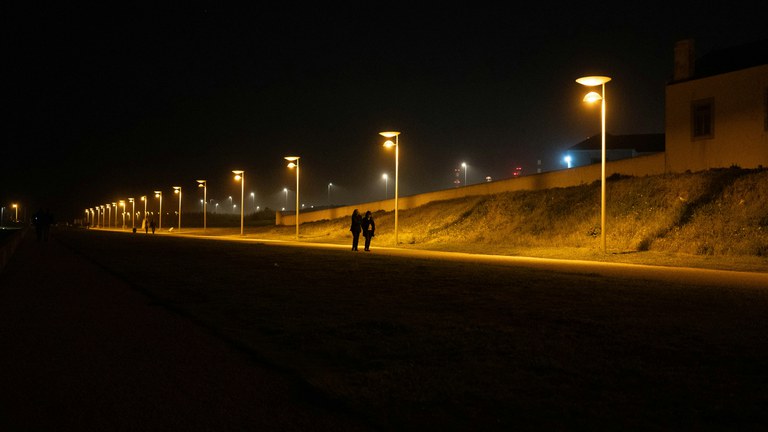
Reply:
x=716 y=218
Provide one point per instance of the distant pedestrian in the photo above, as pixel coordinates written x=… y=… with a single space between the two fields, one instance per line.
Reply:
x=355 y=228
x=145 y=222
x=369 y=226
x=152 y=225
x=42 y=221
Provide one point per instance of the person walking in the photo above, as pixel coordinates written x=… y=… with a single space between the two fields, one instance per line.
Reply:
x=355 y=228
x=368 y=226
x=152 y=225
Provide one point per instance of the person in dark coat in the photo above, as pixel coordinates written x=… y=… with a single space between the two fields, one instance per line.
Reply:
x=369 y=226
x=355 y=228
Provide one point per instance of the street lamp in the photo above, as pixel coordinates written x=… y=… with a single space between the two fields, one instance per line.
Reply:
x=240 y=176
x=177 y=190
x=592 y=81
x=122 y=204
x=390 y=144
x=204 y=184
x=133 y=212
x=144 y=198
x=464 y=165
x=16 y=206
x=329 y=194
x=253 y=201
x=159 y=194
x=114 y=206
x=293 y=162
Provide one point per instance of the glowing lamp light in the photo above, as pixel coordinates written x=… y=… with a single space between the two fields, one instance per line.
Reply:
x=592 y=97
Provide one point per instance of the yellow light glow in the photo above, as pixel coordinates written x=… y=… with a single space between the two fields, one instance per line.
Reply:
x=592 y=97
x=389 y=134
x=291 y=165
x=389 y=144
x=591 y=81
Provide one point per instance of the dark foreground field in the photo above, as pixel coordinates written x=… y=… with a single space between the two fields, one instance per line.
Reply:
x=402 y=343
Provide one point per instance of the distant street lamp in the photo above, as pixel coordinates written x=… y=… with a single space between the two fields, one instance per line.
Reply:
x=329 y=194
x=16 y=207
x=253 y=202
x=464 y=165
x=122 y=204
x=285 y=205
x=293 y=162
x=240 y=176
x=133 y=212
x=592 y=81
x=204 y=184
x=390 y=144
x=114 y=205
x=177 y=190
x=159 y=194
x=386 y=185
x=144 y=198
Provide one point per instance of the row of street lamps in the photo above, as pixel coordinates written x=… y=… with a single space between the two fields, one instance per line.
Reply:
x=293 y=162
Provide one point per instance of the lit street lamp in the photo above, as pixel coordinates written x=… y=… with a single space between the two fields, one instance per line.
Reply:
x=159 y=194
x=592 y=81
x=114 y=206
x=177 y=190
x=16 y=207
x=240 y=176
x=204 y=184
x=390 y=144
x=253 y=201
x=122 y=204
x=464 y=165
x=133 y=212
x=293 y=162
x=285 y=204
x=144 y=198
x=329 y=194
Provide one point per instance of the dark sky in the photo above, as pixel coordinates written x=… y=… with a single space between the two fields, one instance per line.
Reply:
x=103 y=104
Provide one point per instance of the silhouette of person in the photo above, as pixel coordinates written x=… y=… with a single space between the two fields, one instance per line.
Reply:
x=152 y=225
x=369 y=226
x=146 y=226
x=355 y=228
x=42 y=221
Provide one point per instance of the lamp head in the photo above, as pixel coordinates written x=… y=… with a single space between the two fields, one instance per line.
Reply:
x=238 y=174
x=389 y=144
x=591 y=81
x=592 y=97
x=389 y=134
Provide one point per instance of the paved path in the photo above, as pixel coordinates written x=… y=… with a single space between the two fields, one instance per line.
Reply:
x=81 y=351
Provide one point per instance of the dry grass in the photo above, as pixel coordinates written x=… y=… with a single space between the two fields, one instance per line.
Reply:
x=717 y=218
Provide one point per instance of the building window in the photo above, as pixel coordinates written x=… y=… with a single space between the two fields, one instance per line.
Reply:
x=702 y=116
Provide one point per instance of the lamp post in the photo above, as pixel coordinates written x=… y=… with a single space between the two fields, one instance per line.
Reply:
x=108 y=223
x=133 y=212
x=390 y=144
x=464 y=165
x=144 y=198
x=16 y=207
x=253 y=202
x=285 y=203
x=122 y=204
x=592 y=81
x=101 y=216
x=114 y=206
x=159 y=194
x=293 y=162
x=240 y=175
x=204 y=184
x=329 y=194
x=177 y=190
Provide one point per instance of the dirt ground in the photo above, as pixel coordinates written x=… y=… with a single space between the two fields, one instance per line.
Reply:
x=414 y=344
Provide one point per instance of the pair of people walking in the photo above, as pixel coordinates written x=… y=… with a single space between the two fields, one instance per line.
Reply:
x=364 y=225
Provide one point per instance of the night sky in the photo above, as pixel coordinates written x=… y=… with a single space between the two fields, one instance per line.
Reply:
x=105 y=104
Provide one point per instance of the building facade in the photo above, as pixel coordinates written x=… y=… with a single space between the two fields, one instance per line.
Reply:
x=717 y=109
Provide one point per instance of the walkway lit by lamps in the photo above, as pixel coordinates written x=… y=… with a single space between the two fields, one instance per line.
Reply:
x=396 y=145
x=593 y=81
x=293 y=162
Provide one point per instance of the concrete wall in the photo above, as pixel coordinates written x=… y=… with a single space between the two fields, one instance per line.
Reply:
x=639 y=166
x=740 y=136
